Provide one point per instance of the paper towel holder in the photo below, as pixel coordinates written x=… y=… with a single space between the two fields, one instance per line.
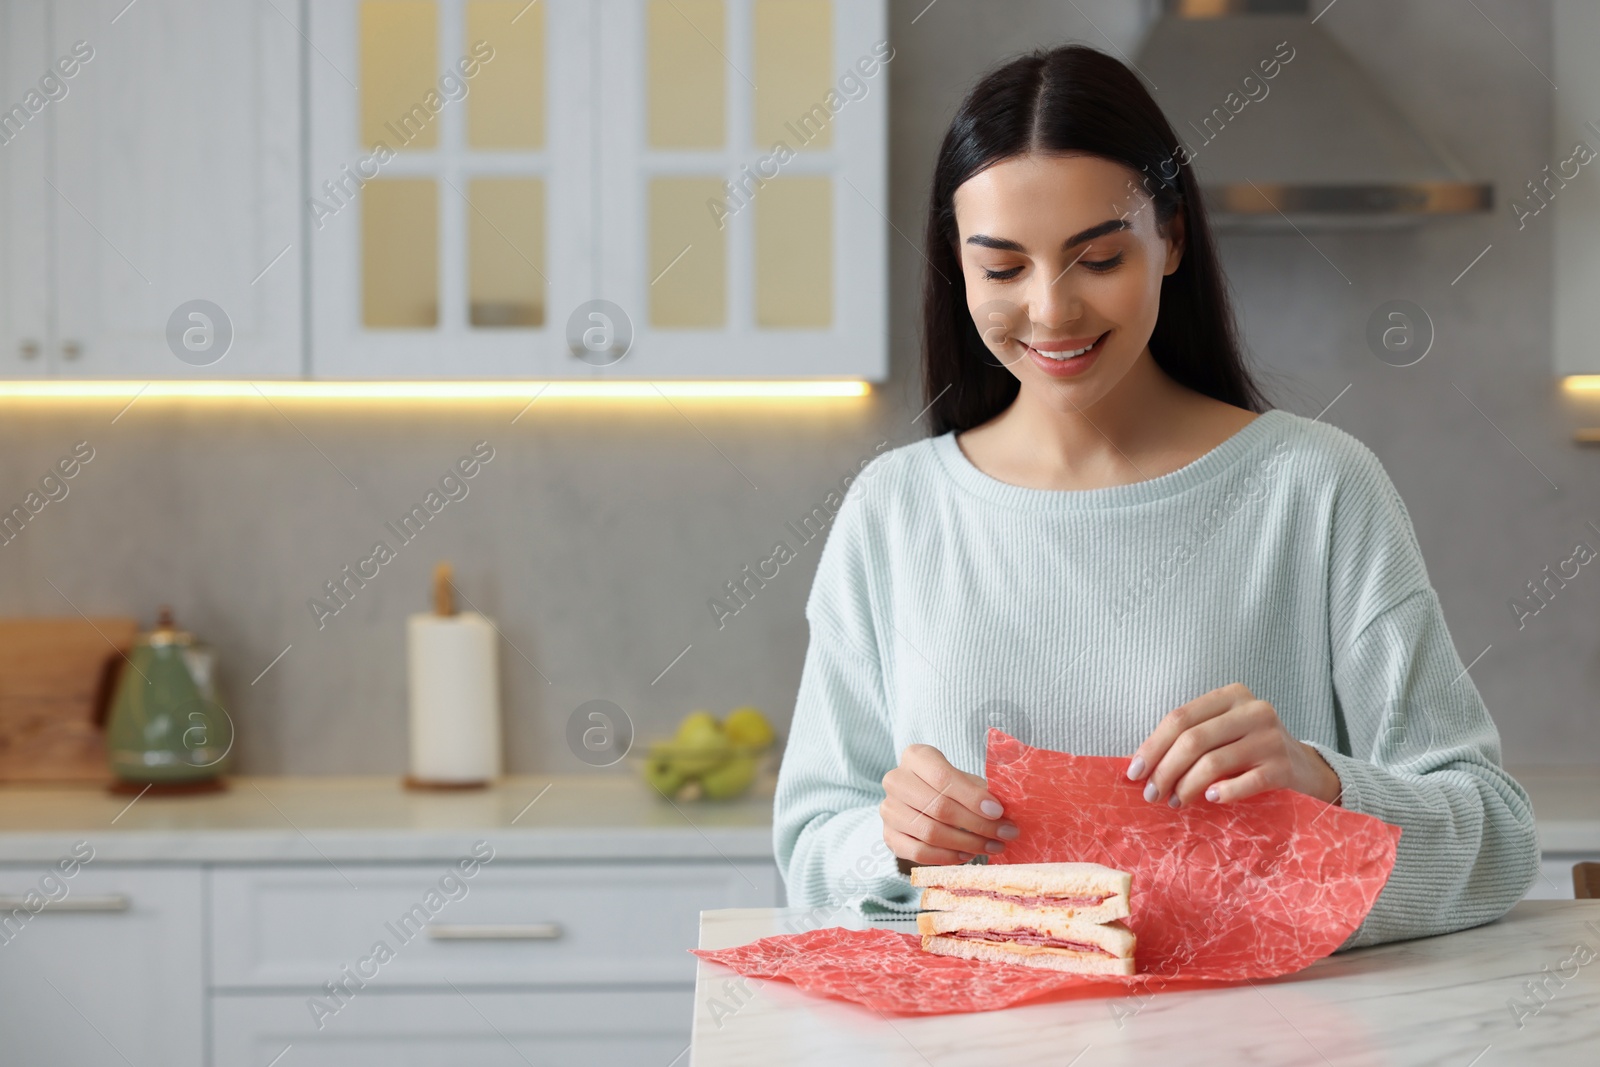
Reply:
x=443 y=606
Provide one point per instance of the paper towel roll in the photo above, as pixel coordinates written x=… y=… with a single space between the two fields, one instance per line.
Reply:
x=455 y=698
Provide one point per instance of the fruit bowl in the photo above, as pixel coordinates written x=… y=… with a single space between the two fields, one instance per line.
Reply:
x=687 y=773
x=709 y=759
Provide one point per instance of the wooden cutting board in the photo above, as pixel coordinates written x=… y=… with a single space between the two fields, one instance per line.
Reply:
x=55 y=687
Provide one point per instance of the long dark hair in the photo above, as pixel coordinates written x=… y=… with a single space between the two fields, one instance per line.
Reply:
x=1071 y=99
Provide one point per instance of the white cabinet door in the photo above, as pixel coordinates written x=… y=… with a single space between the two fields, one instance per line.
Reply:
x=176 y=179
x=26 y=345
x=743 y=148
x=117 y=983
x=451 y=186
x=595 y=1028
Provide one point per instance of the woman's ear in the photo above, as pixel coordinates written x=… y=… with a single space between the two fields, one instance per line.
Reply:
x=1174 y=233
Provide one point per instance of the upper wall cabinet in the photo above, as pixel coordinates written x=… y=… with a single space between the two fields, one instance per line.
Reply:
x=149 y=216
x=599 y=188
x=26 y=322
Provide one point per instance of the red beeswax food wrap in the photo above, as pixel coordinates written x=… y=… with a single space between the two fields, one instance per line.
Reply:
x=1254 y=888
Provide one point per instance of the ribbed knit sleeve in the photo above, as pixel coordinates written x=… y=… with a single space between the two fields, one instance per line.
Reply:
x=1418 y=748
x=827 y=831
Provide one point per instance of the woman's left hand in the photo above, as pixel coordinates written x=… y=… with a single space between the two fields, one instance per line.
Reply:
x=1227 y=745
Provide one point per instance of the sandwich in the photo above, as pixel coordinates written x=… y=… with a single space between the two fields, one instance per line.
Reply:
x=1062 y=916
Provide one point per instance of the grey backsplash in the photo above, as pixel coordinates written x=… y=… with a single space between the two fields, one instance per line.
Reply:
x=597 y=534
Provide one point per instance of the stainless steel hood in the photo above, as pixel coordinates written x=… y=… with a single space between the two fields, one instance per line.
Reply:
x=1317 y=141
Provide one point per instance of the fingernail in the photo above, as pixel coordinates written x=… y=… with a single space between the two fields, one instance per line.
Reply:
x=1174 y=801
x=1136 y=768
x=1008 y=830
x=991 y=809
x=1213 y=794
x=1151 y=792
x=964 y=856
x=994 y=846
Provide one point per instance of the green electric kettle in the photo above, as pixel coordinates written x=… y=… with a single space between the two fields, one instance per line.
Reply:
x=166 y=729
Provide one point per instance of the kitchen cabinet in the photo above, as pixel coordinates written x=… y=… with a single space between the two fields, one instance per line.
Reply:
x=176 y=163
x=598 y=189
x=110 y=975
x=161 y=170
x=545 y=963
x=451 y=186
x=744 y=221
x=26 y=347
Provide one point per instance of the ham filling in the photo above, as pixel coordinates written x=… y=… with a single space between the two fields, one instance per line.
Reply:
x=1034 y=901
x=1027 y=936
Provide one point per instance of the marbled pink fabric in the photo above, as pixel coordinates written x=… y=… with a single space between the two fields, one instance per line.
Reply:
x=1221 y=892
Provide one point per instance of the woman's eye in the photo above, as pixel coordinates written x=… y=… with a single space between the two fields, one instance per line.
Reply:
x=1001 y=275
x=1103 y=264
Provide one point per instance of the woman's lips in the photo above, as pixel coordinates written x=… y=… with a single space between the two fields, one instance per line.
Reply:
x=1066 y=368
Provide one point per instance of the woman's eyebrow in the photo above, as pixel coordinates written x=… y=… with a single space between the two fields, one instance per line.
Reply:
x=1005 y=244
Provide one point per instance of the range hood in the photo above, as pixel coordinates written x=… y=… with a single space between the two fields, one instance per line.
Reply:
x=1318 y=142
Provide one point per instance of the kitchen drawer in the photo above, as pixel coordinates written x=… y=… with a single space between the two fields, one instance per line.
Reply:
x=596 y=1028
x=510 y=924
x=111 y=975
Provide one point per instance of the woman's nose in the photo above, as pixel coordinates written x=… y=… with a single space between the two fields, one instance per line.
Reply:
x=1055 y=301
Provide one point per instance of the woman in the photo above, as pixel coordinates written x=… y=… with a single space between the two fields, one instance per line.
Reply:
x=1110 y=546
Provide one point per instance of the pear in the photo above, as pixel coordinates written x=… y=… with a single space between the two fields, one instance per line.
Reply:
x=696 y=725
x=748 y=727
x=730 y=779
x=700 y=744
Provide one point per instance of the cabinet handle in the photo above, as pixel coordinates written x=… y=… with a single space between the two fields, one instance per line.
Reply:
x=494 y=931
x=109 y=902
x=71 y=349
x=29 y=349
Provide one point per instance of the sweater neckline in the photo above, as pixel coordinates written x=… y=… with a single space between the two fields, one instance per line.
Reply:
x=1201 y=469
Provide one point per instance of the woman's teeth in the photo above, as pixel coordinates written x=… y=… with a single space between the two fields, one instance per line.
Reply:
x=1059 y=356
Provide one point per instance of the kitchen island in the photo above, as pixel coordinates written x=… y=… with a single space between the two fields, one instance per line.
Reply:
x=1458 y=999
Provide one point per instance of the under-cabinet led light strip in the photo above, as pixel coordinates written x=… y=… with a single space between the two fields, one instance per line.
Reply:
x=424 y=390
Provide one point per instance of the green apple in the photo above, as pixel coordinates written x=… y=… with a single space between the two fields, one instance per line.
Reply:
x=663 y=773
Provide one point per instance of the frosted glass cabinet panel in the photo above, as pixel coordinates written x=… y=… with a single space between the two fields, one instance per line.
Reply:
x=400 y=251
x=505 y=241
x=483 y=171
x=507 y=107
x=685 y=86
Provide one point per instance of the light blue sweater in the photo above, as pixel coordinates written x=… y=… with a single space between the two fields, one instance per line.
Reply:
x=946 y=602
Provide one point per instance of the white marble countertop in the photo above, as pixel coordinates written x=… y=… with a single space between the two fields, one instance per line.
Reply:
x=273 y=820
x=1438 y=1000
x=610 y=816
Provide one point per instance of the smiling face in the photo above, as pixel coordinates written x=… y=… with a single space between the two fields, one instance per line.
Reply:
x=1063 y=261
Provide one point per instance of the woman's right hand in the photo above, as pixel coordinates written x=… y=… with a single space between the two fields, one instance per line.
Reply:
x=936 y=814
